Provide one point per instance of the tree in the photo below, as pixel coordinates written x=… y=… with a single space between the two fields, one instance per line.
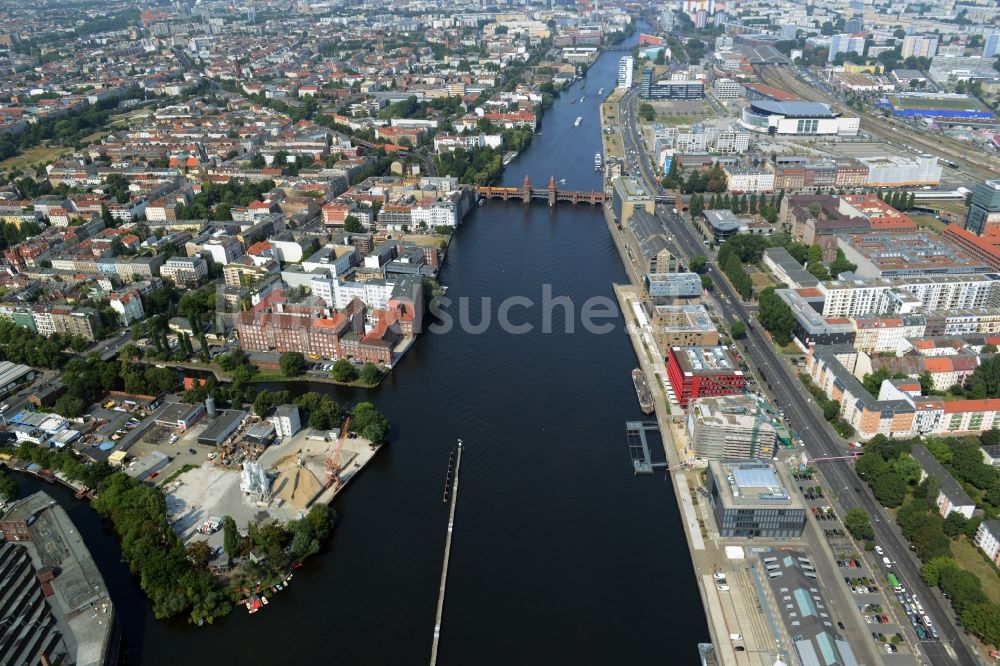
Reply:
x=369 y=423
x=858 y=524
x=69 y=406
x=8 y=487
x=706 y=282
x=738 y=329
x=889 y=489
x=954 y=524
x=984 y=382
x=106 y=217
x=352 y=224
x=932 y=568
x=232 y=540
x=344 y=371
x=775 y=315
x=200 y=553
x=647 y=112
x=370 y=374
x=292 y=364
x=698 y=264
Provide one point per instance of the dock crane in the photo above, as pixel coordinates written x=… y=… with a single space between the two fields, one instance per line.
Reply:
x=335 y=461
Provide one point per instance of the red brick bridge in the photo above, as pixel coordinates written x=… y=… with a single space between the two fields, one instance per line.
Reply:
x=552 y=194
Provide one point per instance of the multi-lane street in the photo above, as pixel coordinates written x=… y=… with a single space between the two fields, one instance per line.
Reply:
x=803 y=415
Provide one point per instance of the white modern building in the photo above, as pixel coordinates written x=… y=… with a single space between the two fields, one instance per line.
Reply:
x=727 y=89
x=896 y=171
x=846 y=43
x=286 y=421
x=184 y=269
x=625 y=67
x=992 y=46
x=797 y=118
x=749 y=180
x=919 y=46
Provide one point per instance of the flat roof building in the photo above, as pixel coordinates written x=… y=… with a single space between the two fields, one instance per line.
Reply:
x=627 y=196
x=55 y=605
x=698 y=371
x=682 y=326
x=221 y=427
x=750 y=499
x=732 y=426
x=178 y=415
x=786 y=269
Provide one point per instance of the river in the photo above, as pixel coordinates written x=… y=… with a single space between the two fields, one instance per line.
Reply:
x=560 y=555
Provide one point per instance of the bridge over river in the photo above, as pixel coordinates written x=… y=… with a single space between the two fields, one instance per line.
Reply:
x=552 y=194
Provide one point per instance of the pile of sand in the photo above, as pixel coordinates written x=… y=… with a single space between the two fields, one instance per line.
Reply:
x=297 y=486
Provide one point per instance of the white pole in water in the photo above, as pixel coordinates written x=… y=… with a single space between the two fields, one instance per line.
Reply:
x=447 y=556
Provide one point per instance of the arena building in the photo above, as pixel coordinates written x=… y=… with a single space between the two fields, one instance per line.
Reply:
x=796 y=118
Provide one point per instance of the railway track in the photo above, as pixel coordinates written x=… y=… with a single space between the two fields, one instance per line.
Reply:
x=985 y=166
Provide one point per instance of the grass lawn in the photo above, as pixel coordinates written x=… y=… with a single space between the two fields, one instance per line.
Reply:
x=682 y=119
x=929 y=222
x=970 y=559
x=791 y=348
x=426 y=240
x=37 y=154
x=760 y=281
x=95 y=137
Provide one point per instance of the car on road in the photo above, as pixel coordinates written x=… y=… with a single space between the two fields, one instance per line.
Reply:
x=878 y=549
x=192 y=451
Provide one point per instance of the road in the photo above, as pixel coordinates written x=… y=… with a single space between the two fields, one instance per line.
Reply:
x=803 y=415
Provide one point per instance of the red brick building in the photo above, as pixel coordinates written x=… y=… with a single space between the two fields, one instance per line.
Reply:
x=695 y=372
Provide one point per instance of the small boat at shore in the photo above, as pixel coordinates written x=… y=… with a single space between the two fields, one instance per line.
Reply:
x=642 y=391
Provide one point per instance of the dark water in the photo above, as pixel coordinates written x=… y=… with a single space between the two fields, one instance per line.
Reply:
x=560 y=555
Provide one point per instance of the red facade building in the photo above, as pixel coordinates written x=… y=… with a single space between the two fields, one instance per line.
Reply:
x=695 y=372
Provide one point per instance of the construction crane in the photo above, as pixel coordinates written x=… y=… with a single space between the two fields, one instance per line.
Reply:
x=335 y=461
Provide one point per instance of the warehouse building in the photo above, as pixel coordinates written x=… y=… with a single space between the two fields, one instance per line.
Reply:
x=221 y=427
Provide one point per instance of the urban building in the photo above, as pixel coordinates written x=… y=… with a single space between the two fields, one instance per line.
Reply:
x=184 y=269
x=628 y=195
x=724 y=88
x=751 y=500
x=988 y=534
x=649 y=245
x=734 y=427
x=56 y=606
x=984 y=213
x=749 y=180
x=918 y=46
x=797 y=118
x=845 y=43
x=786 y=269
x=682 y=326
x=671 y=286
x=906 y=254
x=702 y=371
x=895 y=171
x=951 y=496
x=286 y=421
x=626 y=65
x=650 y=89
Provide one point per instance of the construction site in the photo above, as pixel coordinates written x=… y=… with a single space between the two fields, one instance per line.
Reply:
x=280 y=484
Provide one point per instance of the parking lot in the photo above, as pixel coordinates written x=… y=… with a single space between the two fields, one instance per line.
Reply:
x=866 y=575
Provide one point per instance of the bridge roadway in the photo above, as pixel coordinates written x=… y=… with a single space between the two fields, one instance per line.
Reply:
x=804 y=416
x=552 y=194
